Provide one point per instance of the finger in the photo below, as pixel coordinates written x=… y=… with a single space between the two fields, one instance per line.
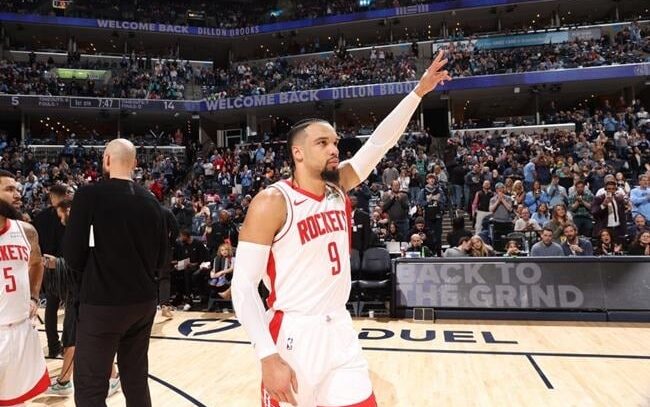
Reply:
x=294 y=382
x=290 y=398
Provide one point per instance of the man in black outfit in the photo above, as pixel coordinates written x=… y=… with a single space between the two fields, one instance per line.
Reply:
x=115 y=242
x=361 y=233
x=50 y=233
x=192 y=249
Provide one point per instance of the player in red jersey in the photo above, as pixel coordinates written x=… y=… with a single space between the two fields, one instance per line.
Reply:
x=296 y=237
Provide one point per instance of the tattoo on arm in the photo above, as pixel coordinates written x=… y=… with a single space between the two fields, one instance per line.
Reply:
x=35 y=260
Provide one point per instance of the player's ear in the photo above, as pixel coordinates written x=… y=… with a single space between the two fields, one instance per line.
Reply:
x=297 y=153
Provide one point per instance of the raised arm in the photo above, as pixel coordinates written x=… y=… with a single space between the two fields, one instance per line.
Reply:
x=265 y=217
x=389 y=131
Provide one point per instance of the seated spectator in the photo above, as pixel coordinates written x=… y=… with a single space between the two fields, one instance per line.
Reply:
x=457 y=231
x=461 y=250
x=542 y=216
x=606 y=245
x=417 y=245
x=221 y=273
x=560 y=219
x=608 y=211
x=525 y=223
x=546 y=247
x=479 y=248
x=393 y=234
x=641 y=245
x=188 y=256
x=574 y=245
x=512 y=249
x=640 y=225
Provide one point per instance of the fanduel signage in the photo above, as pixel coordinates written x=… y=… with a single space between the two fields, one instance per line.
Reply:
x=524 y=283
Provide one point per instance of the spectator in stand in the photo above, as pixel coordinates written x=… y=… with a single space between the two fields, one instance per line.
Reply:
x=608 y=211
x=393 y=233
x=558 y=221
x=501 y=205
x=641 y=245
x=479 y=248
x=461 y=250
x=361 y=233
x=640 y=225
x=640 y=197
x=542 y=216
x=457 y=231
x=183 y=211
x=546 y=247
x=390 y=174
x=606 y=245
x=188 y=256
x=221 y=272
x=417 y=245
x=556 y=193
x=396 y=204
x=580 y=201
x=512 y=249
x=535 y=197
x=432 y=199
x=525 y=223
x=481 y=205
x=574 y=245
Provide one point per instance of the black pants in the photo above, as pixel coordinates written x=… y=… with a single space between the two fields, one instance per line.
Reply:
x=164 y=287
x=103 y=331
x=51 y=321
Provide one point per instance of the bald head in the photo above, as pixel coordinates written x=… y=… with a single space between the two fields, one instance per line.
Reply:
x=119 y=158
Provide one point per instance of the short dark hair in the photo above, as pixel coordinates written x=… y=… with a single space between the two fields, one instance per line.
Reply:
x=570 y=225
x=463 y=240
x=295 y=130
x=185 y=232
x=547 y=229
x=59 y=189
x=7 y=174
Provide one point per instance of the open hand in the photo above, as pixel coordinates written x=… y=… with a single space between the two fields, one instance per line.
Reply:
x=433 y=75
x=279 y=379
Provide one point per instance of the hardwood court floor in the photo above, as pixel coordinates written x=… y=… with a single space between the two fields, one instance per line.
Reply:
x=203 y=359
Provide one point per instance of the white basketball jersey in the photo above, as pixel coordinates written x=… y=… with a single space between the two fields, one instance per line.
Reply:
x=308 y=271
x=14 y=273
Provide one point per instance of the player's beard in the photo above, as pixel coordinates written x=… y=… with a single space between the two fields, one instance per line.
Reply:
x=8 y=211
x=331 y=176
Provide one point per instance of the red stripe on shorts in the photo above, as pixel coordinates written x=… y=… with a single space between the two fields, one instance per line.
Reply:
x=38 y=388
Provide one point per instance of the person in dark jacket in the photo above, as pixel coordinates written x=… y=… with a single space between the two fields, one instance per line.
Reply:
x=116 y=243
x=608 y=210
x=50 y=233
x=361 y=233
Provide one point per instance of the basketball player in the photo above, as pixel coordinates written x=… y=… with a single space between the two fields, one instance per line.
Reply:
x=23 y=374
x=297 y=230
